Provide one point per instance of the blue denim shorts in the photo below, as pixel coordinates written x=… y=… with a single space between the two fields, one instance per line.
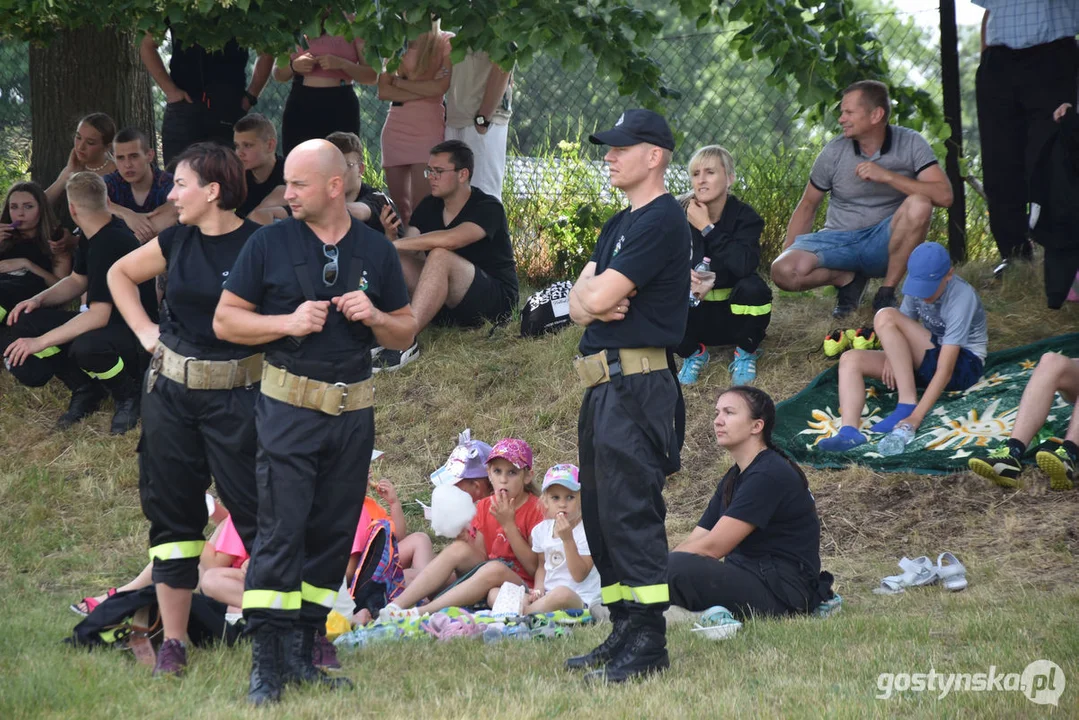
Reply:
x=864 y=250
x=968 y=369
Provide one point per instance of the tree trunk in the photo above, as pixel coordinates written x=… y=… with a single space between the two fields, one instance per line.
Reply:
x=77 y=73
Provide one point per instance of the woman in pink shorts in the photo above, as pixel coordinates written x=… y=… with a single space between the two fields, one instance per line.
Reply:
x=417 y=118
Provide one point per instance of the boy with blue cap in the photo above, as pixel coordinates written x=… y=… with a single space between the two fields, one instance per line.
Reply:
x=936 y=341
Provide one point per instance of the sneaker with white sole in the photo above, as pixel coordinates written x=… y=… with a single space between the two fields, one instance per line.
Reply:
x=1059 y=466
x=692 y=366
x=390 y=360
x=717 y=623
x=743 y=368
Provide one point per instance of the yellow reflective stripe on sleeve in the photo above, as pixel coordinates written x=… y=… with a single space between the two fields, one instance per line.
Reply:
x=647 y=594
x=317 y=595
x=611 y=594
x=271 y=600
x=177 y=550
x=47 y=352
x=718 y=294
x=110 y=373
x=751 y=309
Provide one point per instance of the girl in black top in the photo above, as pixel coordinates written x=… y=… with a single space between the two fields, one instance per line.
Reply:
x=756 y=549
x=199 y=422
x=736 y=307
x=33 y=246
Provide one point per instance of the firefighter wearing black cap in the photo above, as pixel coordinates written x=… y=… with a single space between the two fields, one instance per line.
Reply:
x=632 y=297
x=319 y=290
x=198 y=406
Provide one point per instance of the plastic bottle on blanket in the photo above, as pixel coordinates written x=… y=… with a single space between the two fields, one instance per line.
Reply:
x=897 y=440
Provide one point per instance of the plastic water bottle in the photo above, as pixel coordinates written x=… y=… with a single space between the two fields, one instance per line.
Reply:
x=704 y=266
x=897 y=440
x=493 y=633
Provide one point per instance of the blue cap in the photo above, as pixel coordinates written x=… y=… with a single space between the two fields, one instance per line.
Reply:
x=927 y=266
x=635 y=127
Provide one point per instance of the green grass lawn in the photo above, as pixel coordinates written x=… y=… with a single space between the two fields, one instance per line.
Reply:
x=71 y=525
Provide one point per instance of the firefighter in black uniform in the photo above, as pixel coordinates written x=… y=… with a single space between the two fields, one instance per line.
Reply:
x=93 y=352
x=198 y=410
x=319 y=290
x=632 y=297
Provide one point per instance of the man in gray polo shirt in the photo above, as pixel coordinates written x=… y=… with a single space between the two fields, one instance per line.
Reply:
x=884 y=182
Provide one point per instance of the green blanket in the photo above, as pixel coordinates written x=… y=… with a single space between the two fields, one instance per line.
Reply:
x=961 y=425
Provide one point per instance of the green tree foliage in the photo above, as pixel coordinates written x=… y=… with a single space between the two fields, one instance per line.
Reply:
x=814 y=46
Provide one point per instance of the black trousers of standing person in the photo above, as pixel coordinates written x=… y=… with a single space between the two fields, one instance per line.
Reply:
x=311 y=473
x=699 y=582
x=189 y=436
x=315 y=112
x=740 y=319
x=206 y=119
x=622 y=473
x=109 y=355
x=1017 y=92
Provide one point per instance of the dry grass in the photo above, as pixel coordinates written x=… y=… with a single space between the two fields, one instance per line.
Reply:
x=71 y=523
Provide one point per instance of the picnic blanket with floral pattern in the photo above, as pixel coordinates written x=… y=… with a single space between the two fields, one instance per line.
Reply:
x=961 y=425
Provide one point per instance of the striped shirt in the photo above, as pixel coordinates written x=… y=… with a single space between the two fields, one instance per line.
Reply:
x=1021 y=24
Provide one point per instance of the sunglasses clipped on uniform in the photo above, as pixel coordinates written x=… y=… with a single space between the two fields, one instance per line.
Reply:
x=329 y=270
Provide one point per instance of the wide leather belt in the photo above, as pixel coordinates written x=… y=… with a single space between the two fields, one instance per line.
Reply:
x=303 y=392
x=196 y=374
x=595 y=370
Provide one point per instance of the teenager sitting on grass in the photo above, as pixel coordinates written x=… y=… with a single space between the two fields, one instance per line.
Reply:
x=1054 y=373
x=756 y=549
x=936 y=340
x=494 y=550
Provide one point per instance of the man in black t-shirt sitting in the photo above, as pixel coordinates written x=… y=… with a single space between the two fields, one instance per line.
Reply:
x=255 y=141
x=456 y=253
x=93 y=352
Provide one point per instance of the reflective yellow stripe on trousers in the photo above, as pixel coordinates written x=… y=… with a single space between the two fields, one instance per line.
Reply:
x=611 y=593
x=751 y=309
x=317 y=595
x=110 y=373
x=647 y=594
x=271 y=600
x=177 y=550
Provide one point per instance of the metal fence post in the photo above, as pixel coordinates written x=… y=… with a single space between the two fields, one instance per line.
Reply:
x=949 y=76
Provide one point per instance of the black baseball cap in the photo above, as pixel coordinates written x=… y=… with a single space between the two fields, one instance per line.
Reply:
x=637 y=126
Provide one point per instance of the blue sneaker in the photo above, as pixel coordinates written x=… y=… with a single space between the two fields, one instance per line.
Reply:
x=829 y=607
x=743 y=368
x=717 y=623
x=692 y=366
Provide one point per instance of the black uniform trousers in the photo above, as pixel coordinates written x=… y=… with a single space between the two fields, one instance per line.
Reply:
x=740 y=320
x=110 y=354
x=311 y=473
x=1017 y=92
x=622 y=473
x=186 y=123
x=187 y=437
x=16 y=288
x=315 y=112
x=699 y=582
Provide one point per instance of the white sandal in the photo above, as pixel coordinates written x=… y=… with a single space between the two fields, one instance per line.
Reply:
x=917 y=572
x=951 y=572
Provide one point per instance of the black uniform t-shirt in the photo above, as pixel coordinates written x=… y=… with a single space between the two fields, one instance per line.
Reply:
x=31 y=250
x=376 y=200
x=264 y=275
x=650 y=246
x=770 y=495
x=197 y=267
x=195 y=70
x=493 y=253
x=95 y=256
x=256 y=191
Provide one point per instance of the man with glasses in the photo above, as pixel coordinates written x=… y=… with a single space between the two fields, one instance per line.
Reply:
x=456 y=253
x=318 y=290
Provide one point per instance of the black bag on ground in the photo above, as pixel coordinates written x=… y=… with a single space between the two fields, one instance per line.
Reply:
x=547 y=310
x=111 y=622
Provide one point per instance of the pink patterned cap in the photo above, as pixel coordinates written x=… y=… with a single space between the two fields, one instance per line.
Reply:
x=564 y=475
x=513 y=450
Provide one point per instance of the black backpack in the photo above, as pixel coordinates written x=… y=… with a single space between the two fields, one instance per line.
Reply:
x=547 y=310
x=111 y=622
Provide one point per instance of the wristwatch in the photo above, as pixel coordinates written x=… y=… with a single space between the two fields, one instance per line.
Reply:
x=707 y=229
x=252 y=100
x=480 y=120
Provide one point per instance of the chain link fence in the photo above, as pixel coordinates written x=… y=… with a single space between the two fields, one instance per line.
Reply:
x=556 y=191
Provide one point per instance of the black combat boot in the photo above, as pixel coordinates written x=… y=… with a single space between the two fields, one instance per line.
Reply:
x=125 y=394
x=644 y=650
x=299 y=648
x=266 y=668
x=85 y=400
x=610 y=647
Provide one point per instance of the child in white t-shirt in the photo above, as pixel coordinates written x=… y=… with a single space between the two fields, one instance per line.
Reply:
x=568 y=578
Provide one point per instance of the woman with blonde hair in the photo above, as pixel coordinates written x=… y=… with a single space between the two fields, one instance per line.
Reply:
x=417 y=118
x=736 y=305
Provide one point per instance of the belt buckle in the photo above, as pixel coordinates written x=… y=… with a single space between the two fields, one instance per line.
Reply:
x=156 y=361
x=187 y=361
x=614 y=368
x=344 y=396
